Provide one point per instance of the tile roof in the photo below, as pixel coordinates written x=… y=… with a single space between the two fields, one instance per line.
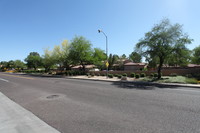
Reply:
x=135 y=64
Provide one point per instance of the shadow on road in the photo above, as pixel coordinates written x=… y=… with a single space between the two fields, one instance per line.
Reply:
x=120 y=84
x=44 y=75
x=143 y=85
x=36 y=75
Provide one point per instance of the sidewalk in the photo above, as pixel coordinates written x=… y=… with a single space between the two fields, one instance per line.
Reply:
x=96 y=78
x=15 y=119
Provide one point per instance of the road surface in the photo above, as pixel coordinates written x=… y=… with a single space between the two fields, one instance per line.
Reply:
x=83 y=106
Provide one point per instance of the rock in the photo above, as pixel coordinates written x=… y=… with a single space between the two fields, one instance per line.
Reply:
x=124 y=78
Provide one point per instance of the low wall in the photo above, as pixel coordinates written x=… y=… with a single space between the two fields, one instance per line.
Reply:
x=165 y=72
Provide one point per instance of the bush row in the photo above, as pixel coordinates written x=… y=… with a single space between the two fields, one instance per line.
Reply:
x=32 y=71
x=133 y=75
x=74 y=73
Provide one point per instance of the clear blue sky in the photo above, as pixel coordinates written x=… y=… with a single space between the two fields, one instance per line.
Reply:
x=32 y=25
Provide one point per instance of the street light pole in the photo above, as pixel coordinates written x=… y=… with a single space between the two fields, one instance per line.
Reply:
x=100 y=31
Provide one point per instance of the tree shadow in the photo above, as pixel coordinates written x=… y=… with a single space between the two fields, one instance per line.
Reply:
x=143 y=85
x=42 y=75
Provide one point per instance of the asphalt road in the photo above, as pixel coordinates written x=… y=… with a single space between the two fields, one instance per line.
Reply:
x=82 y=106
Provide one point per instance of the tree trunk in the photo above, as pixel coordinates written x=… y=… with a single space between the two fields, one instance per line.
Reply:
x=160 y=67
x=46 y=69
x=60 y=67
x=83 y=66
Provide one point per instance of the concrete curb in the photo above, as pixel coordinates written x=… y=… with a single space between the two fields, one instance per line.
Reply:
x=16 y=119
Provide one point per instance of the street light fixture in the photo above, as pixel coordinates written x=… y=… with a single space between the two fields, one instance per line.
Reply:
x=100 y=31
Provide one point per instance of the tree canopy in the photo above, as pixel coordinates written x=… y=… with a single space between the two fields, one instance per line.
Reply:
x=99 y=57
x=33 y=60
x=123 y=56
x=19 y=64
x=135 y=57
x=181 y=56
x=48 y=60
x=80 y=51
x=112 y=60
x=61 y=54
x=159 y=43
x=196 y=55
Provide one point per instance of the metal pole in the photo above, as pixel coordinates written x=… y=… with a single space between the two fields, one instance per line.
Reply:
x=106 y=56
x=106 y=52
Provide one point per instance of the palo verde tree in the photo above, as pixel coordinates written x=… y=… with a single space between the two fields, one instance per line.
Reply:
x=48 y=60
x=61 y=54
x=80 y=51
x=159 y=43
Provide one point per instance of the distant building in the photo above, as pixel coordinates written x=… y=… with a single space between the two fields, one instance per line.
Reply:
x=119 y=65
x=79 y=67
x=193 y=65
x=134 y=66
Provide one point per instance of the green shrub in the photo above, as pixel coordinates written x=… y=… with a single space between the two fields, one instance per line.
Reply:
x=145 y=69
x=56 y=73
x=92 y=74
x=196 y=75
x=137 y=76
x=82 y=73
x=31 y=71
x=155 y=75
x=119 y=76
x=191 y=81
x=66 y=73
x=189 y=75
x=124 y=74
x=115 y=75
x=110 y=75
x=173 y=75
x=74 y=73
x=103 y=74
x=151 y=75
x=98 y=74
x=143 y=75
x=87 y=74
x=132 y=75
x=77 y=73
x=69 y=73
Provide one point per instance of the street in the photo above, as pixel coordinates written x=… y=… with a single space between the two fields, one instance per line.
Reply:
x=84 y=106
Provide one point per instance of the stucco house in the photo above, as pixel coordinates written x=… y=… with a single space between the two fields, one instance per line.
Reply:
x=131 y=66
x=79 y=67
